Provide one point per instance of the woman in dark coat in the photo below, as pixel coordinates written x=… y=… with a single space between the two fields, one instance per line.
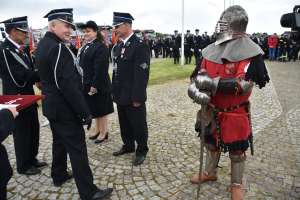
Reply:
x=94 y=60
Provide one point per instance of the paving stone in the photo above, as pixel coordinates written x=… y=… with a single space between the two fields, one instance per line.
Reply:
x=272 y=173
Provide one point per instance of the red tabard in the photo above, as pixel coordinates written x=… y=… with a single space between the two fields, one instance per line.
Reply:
x=235 y=126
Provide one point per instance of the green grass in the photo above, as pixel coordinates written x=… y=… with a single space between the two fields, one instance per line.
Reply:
x=164 y=70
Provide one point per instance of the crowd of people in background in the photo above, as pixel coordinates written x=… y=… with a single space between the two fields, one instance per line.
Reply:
x=276 y=47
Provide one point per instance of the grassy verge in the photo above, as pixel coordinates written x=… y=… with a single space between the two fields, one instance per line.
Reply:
x=164 y=70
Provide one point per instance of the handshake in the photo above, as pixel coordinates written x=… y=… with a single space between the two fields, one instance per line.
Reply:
x=202 y=88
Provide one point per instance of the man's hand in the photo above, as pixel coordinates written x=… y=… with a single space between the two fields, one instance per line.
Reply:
x=14 y=111
x=87 y=121
x=38 y=85
x=92 y=91
x=136 y=104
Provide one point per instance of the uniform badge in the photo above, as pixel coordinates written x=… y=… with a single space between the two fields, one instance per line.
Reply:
x=230 y=68
x=122 y=52
x=144 y=65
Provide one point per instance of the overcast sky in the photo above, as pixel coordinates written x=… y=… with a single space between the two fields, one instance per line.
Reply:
x=161 y=15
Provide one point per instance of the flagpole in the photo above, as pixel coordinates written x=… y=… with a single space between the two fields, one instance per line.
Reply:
x=182 y=34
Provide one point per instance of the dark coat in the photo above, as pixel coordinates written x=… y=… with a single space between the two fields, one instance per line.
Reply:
x=7 y=125
x=61 y=81
x=94 y=60
x=131 y=71
x=19 y=76
x=188 y=43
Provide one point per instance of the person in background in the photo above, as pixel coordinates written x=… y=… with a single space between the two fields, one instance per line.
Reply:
x=272 y=44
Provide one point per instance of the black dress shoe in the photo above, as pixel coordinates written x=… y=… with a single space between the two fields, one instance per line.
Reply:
x=100 y=194
x=139 y=159
x=65 y=179
x=94 y=136
x=31 y=171
x=123 y=151
x=39 y=164
x=102 y=140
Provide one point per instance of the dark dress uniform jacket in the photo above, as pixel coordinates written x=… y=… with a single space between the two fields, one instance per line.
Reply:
x=18 y=77
x=131 y=71
x=94 y=60
x=6 y=126
x=65 y=107
x=61 y=81
x=188 y=44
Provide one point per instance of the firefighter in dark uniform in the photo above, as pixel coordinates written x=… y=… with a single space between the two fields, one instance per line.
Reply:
x=197 y=46
x=188 y=45
x=18 y=77
x=176 y=41
x=65 y=106
x=7 y=125
x=131 y=62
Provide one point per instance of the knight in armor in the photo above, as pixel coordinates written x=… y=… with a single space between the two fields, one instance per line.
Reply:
x=18 y=76
x=230 y=68
x=65 y=106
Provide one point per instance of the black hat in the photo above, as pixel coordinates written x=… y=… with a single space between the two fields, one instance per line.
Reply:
x=64 y=15
x=19 y=23
x=175 y=31
x=188 y=31
x=120 y=18
x=91 y=24
x=197 y=30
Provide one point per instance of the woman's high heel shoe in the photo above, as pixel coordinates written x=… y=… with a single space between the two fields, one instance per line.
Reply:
x=97 y=141
x=94 y=136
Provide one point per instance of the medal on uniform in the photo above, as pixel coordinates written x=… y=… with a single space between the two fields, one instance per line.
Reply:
x=122 y=52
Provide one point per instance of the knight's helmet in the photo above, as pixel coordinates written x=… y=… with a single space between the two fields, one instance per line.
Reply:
x=232 y=24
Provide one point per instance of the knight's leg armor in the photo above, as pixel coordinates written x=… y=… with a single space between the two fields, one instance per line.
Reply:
x=211 y=164
x=237 y=170
x=212 y=160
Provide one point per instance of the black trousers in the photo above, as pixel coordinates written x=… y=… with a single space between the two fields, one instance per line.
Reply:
x=3 y=192
x=188 y=57
x=26 y=138
x=69 y=137
x=133 y=125
x=176 y=55
x=5 y=172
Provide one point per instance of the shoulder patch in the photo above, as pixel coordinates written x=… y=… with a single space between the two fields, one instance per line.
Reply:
x=144 y=65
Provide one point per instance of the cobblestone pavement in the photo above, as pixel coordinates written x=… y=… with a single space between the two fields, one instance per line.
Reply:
x=272 y=173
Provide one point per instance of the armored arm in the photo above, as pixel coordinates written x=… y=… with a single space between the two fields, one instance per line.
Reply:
x=234 y=86
x=225 y=86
